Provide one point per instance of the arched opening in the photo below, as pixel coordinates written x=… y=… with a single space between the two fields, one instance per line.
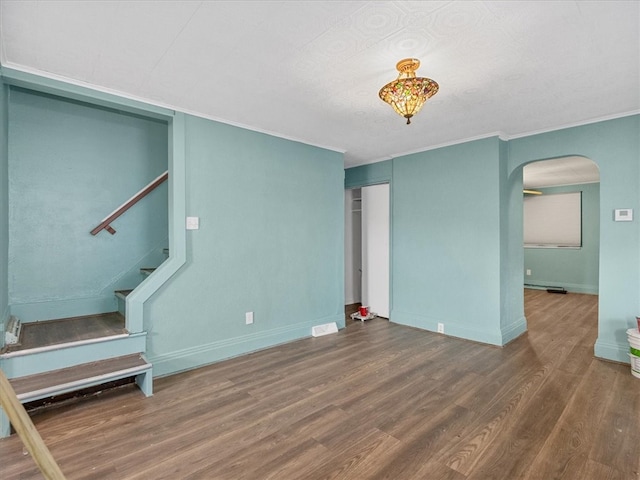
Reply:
x=561 y=229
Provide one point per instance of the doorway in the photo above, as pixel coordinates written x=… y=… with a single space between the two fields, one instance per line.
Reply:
x=558 y=258
x=562 y=224
x=367 y=236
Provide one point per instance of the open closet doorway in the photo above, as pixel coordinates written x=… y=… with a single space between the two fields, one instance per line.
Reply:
x=367 y=248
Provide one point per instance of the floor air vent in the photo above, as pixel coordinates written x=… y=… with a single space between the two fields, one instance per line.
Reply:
x=325 y=329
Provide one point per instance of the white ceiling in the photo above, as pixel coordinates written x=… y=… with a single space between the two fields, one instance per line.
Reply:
x=560 y=171
x=311 y=70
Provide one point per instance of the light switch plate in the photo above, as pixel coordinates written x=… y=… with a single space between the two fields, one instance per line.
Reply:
x=193 y=223
x=623 y=215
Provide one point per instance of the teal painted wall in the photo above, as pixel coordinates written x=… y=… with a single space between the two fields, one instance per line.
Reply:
x=70 y=165
x=615 y=146
x=248 y=226
x=457 y=255
x=574 y=269
x=4 y=210
x=446 y=240
x=512 y=319
x=371 y=174
x=271 y=241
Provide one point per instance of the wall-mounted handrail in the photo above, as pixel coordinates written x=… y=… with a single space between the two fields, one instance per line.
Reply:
x=27 y=432
x=105 y=224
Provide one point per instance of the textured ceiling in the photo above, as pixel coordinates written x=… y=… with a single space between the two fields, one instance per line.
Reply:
x=560 y=171
x=311 y=70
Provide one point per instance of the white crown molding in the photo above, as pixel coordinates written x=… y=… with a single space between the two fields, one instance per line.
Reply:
x=501 y=135
x=575 y=124
x=155 y=103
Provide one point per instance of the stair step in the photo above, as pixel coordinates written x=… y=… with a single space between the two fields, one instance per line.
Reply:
x=34 y=361
x=147 y=271
x=122 y=293
x=57 y=332
x=65 y=380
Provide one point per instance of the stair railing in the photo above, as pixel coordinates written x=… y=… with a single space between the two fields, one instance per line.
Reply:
x=27 y=432
x=105 y=224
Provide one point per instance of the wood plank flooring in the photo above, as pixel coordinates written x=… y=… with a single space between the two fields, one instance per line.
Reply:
x=375 y=401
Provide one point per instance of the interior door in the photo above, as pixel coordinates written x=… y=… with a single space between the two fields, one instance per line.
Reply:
x=375 y=248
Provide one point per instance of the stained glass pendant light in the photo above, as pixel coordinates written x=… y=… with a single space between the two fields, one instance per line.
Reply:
x=408 y=93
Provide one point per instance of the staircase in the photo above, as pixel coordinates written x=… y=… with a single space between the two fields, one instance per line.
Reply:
x=43 y=364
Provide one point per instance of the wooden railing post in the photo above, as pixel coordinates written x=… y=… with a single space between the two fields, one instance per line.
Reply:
x=27 y=431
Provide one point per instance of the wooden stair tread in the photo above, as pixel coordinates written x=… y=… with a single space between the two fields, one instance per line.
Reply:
x=122 y=293
x=55 y=382
x=61 y=331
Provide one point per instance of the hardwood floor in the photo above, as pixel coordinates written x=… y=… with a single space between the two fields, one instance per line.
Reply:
x=375 y=401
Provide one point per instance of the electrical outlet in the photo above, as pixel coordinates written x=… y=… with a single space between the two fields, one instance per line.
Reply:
x=248 y=318
x=441 y=328
x=528 y=271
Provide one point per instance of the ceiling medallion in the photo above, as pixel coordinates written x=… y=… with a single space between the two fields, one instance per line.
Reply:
x=408 y=93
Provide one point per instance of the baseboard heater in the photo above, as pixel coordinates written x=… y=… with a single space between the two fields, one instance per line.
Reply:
x=548 y=289
x=556 y=290
x=12 y=332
